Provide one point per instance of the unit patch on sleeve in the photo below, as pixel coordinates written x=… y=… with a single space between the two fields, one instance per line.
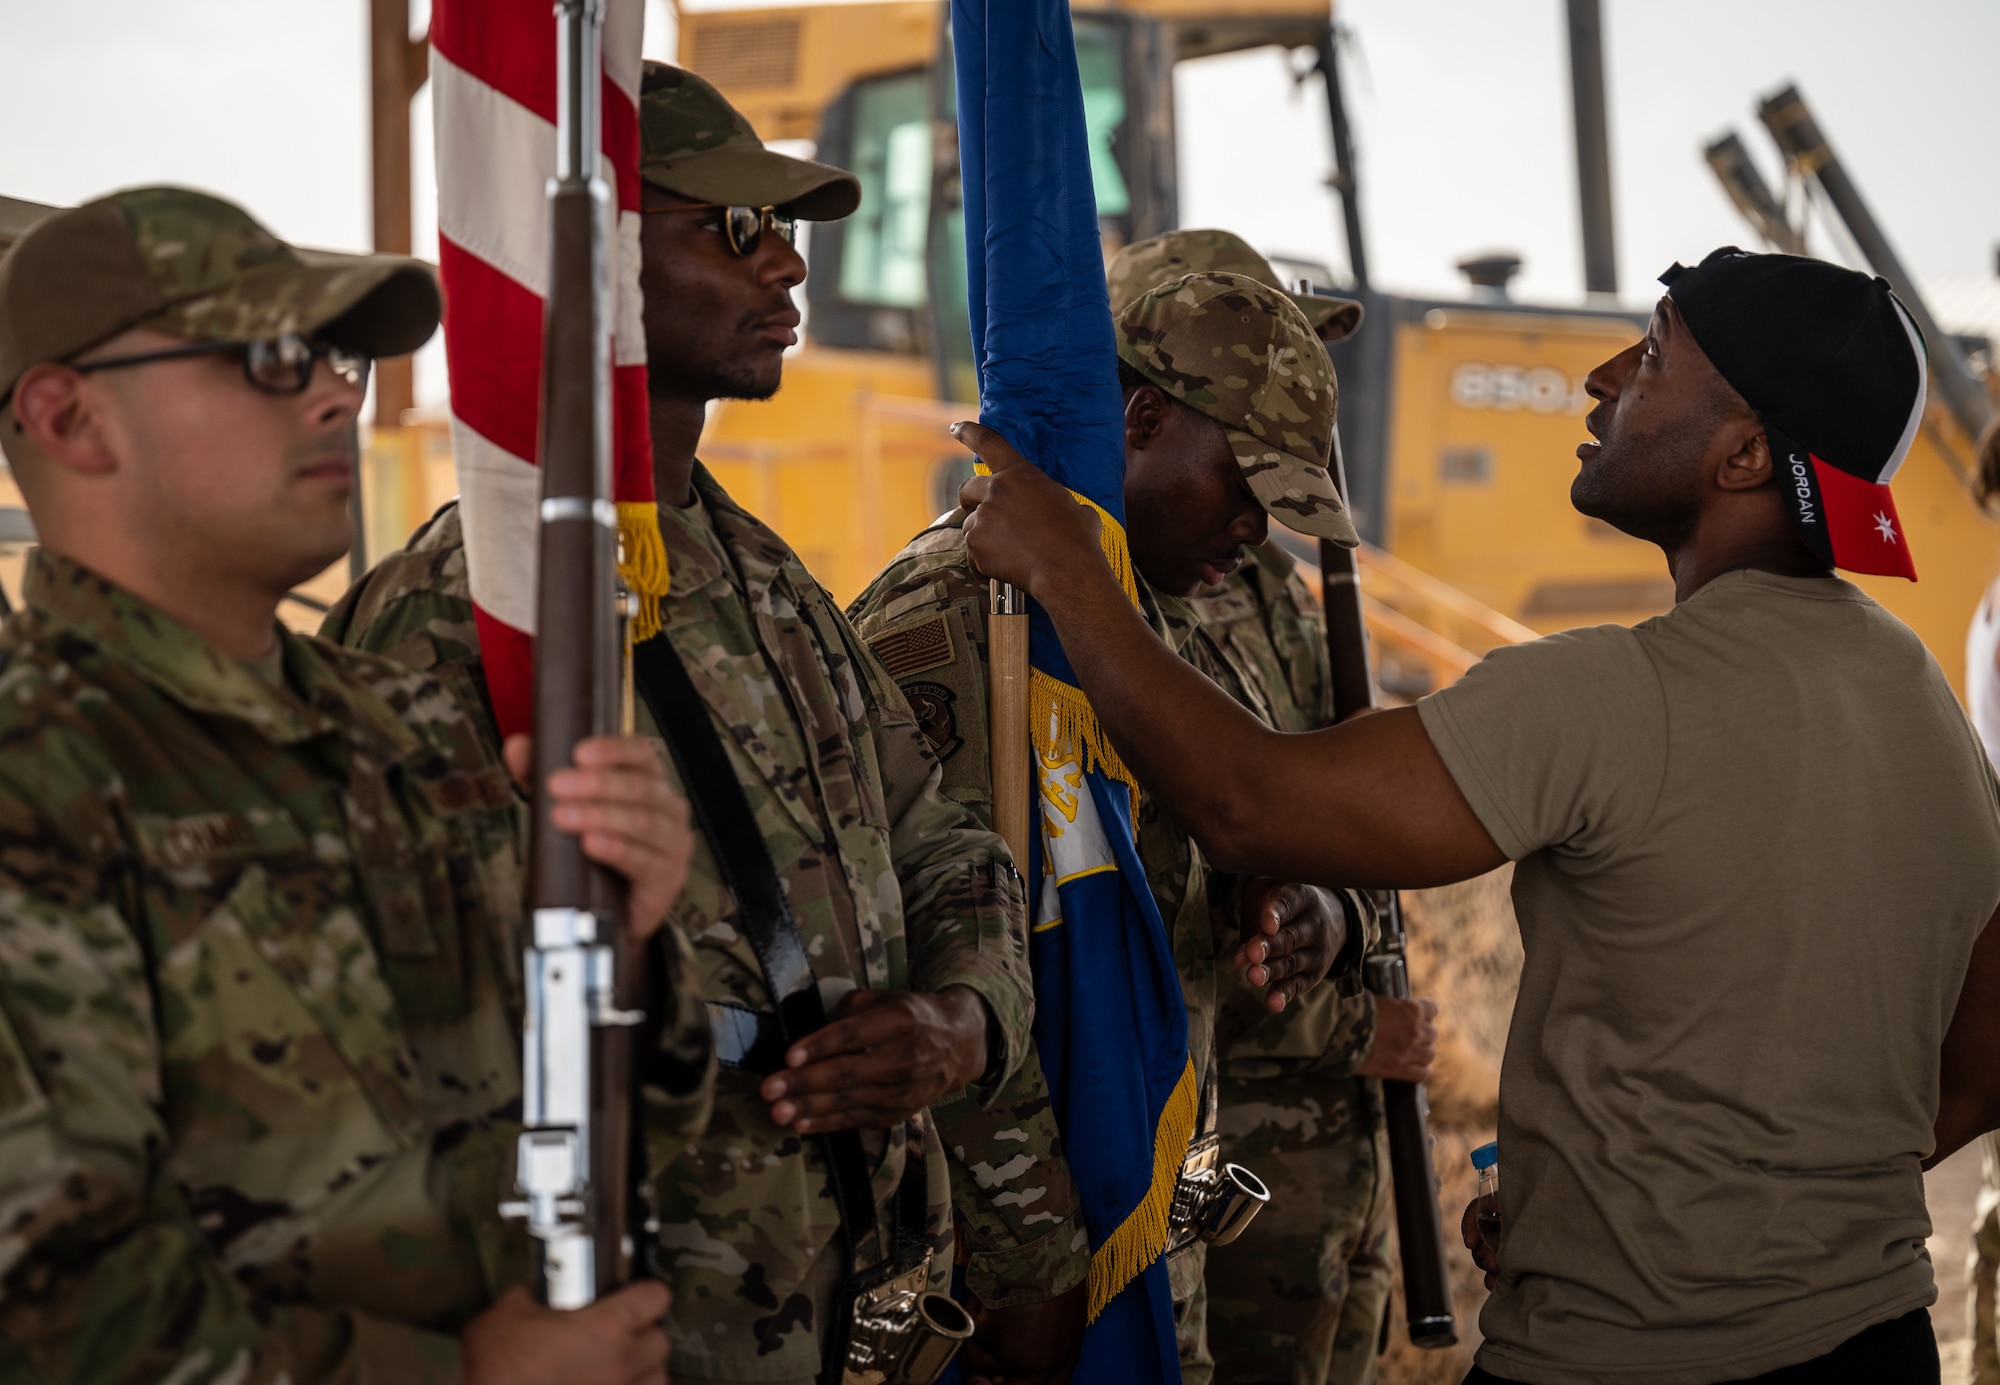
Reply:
x=932 y=702
x=914 y=649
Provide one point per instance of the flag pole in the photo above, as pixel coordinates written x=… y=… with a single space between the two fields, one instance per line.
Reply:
x=1007 y=716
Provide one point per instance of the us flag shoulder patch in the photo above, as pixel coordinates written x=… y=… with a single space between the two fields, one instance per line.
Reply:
x=915 y=649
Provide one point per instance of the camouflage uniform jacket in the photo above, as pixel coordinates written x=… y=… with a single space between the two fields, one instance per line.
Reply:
x=926 y=615
x=893 y=885
x=1260 y=635
x=259 y=1007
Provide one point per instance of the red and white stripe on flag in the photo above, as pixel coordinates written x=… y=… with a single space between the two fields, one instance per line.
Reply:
x=493 y=85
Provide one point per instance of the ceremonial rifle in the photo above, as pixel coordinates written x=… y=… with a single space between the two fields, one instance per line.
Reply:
x=1419 y=1225
x=585 y=985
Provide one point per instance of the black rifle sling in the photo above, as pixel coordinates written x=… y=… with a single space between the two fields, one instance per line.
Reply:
x=763 y=914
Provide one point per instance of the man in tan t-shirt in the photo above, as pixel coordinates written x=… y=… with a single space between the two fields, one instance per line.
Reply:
x=1757 y=844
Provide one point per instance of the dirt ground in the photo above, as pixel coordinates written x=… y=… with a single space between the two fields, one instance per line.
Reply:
x=1466 y=953
x=1951 y=1189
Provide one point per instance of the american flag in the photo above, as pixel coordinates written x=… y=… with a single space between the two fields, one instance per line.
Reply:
x=493 y=82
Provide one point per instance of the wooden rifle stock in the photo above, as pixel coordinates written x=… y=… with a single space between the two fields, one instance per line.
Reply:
x=585 y=987
x=1419 y=1224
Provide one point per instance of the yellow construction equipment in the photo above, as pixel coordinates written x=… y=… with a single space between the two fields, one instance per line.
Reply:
x=1459 y=417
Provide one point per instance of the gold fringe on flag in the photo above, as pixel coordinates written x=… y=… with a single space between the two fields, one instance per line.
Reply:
x=1111 y=537
x=1063 y=726
x=1138 y=1242
x=642 y=564
x=1061 y=721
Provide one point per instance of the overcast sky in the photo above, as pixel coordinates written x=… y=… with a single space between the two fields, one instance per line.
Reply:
x=1461 y=110
x=1463 y=122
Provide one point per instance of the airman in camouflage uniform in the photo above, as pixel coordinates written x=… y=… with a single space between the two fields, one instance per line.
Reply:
x=896 y=888
x=261 y=898
x=1300 y=1296
x=1258 y=423
x=1277 y=1293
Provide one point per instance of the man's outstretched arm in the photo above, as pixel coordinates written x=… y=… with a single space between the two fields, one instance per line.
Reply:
x=1367 y=803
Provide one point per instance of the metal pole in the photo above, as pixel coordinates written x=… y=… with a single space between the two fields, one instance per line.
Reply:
x=1343 y=155
x=397 y=68
x=357 y=511
x=1593 y=146
x=1798 y=135
x=1746 y=187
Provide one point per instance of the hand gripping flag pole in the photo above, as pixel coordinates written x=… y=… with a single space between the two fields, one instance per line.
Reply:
x=1109 y=1018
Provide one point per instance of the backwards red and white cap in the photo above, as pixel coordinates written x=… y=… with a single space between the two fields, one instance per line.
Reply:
x=1835 y=368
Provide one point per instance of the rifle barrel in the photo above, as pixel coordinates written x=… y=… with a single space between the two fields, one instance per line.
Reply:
x=1406 y=1111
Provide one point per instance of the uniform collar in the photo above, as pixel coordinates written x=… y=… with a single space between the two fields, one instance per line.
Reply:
x=1173 y=618
x=197 y=675
x=1272 y=558
x=692 y=557
x=757 y=554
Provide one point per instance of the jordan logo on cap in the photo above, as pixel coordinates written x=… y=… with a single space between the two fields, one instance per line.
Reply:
x=1804 y=491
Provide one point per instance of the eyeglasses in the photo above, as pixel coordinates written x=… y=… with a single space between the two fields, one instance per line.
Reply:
x=276 y=365
x=742 y=227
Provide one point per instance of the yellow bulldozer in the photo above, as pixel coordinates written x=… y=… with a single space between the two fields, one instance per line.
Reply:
x=1459 y=418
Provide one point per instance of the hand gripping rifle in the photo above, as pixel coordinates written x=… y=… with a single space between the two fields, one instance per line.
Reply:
x=1419 y=1225
x=577 y=1161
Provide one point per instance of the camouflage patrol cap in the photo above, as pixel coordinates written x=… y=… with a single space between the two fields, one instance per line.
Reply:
x=198 y=267
x=1242 y=354
x=694 y=143
x=1143 y=264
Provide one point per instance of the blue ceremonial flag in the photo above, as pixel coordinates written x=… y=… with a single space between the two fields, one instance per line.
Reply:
x=1109 y=1019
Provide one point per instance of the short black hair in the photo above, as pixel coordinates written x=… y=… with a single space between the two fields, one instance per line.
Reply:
x=1130 y=378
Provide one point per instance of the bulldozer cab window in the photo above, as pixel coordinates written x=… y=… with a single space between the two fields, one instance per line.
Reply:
x=874 y=273
x=1100 y=63
x=884 y=259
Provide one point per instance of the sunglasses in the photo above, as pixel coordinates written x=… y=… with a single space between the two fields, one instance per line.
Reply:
x=742 y=227
x=276 y=365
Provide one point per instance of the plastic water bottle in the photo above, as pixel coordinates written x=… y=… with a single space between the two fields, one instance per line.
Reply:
x=1486 y=1159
